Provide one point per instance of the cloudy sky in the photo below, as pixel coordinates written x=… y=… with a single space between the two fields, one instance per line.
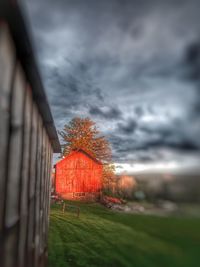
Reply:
x=132 y=66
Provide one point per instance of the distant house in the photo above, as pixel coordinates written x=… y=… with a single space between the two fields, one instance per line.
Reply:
x=126 y=185
x=78 y=176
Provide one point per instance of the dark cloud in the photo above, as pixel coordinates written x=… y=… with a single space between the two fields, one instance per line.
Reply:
x=147 y=140
x=105 y=112
x=181 y=144
x=128 y=127
x=133 y=66
x=192 y=61
x=139 y=111
x=192 y=73
x=152 y=142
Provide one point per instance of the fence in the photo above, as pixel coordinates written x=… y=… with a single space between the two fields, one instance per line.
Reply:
x=27 y=140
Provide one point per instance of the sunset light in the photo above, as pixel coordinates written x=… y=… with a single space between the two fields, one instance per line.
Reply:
x=99 y=133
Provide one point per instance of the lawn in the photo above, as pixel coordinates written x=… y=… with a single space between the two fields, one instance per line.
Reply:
x=101 y=237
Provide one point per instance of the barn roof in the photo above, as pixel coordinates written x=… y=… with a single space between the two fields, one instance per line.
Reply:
x=77 y=151
x=10 y=12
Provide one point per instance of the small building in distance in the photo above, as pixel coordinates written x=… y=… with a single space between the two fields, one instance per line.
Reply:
x=126 y=185
x=78 y=176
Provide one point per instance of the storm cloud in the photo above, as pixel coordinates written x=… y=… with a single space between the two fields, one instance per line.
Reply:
x=132 y=66
x=105 y=112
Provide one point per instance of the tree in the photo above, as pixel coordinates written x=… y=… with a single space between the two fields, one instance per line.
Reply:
x=109 y=178
x=82 y=133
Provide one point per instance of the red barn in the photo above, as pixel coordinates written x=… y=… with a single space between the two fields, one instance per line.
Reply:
x=78 y=176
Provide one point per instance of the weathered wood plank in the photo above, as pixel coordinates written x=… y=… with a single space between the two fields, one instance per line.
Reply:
x=45 y=194
x=42 y=183
x=15 y=151
x=7 y=64
x=31 y=186
x=37 y=194
x=11 y=222
x=45 y=200
x=25 y=178
x=9 y=249
x=48 y=186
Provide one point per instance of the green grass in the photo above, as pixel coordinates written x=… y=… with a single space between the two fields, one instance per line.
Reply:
x=100 y=237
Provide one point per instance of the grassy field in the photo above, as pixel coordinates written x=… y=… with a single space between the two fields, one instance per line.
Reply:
x=100 y=237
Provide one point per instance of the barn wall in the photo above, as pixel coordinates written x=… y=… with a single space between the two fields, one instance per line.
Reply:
x=78 y=177
x=25 y=165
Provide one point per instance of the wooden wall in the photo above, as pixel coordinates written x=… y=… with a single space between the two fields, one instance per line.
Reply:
x=25 y=166
x=78 y=176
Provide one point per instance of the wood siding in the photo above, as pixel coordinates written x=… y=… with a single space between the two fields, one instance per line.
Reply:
x=78 y=173
x=25 y=165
